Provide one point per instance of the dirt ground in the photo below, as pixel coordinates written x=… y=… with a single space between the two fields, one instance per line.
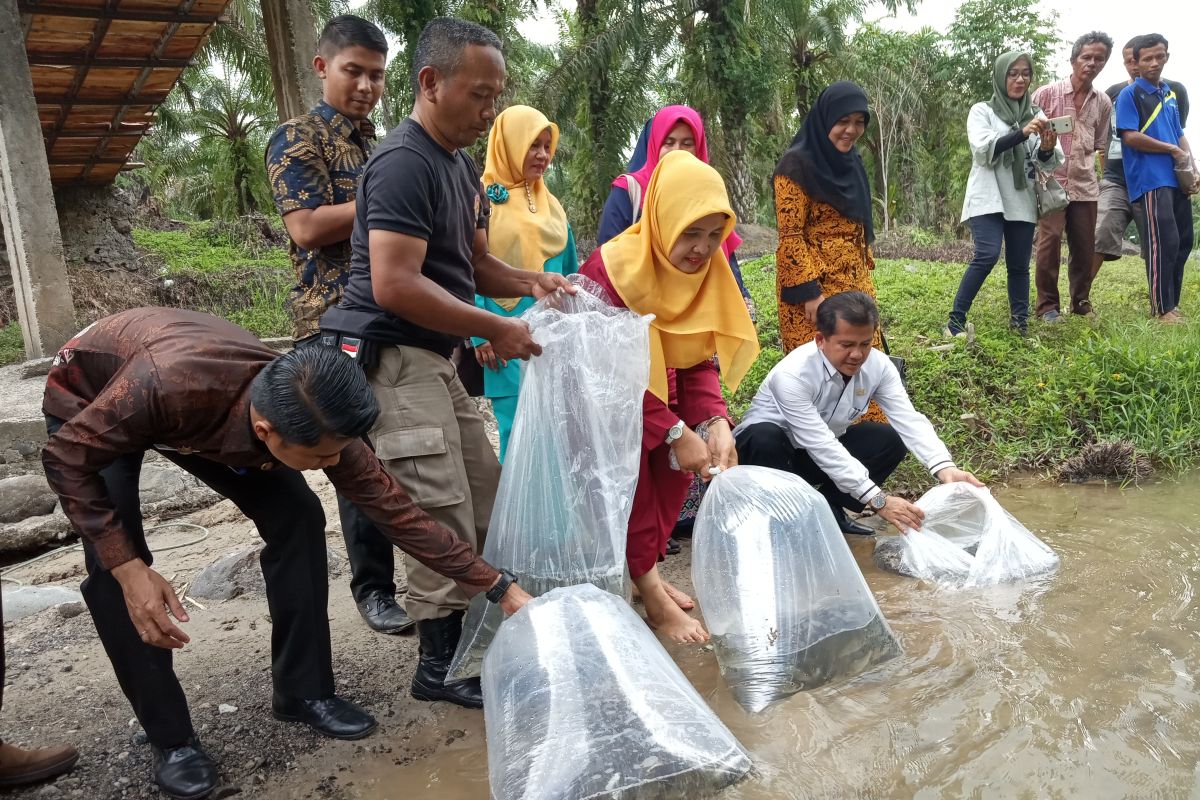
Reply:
x=60 y=687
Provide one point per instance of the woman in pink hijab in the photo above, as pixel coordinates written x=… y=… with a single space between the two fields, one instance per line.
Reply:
x=672 y=128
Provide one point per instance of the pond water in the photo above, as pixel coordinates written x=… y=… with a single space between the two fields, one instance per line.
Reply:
x=1078 y=685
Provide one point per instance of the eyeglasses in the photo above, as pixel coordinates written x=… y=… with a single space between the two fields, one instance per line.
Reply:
x=1020 y=73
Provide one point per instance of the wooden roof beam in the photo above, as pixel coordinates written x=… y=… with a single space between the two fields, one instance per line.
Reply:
x=59 y=60
x=115 y=100
x=92 y=12
x=118 y=118
x=103 y=133
x=85 y=160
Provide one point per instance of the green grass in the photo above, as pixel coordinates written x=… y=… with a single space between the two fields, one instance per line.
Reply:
x=205 y=248
x=12 y=345
x=214 y=270
x=1008 y=403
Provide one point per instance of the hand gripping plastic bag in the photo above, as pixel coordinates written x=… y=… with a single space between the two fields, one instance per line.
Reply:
x=581 y=701
x=562 y=506
x=785 y=602
x=968 y=539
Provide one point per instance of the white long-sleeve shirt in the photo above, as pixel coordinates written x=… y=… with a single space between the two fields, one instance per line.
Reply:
x=815 y=404
x=990 y=187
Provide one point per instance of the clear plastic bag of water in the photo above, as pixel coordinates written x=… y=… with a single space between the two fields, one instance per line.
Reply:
x=581 y=701
x=780 y=591
x=562 y=508
x=968 y=539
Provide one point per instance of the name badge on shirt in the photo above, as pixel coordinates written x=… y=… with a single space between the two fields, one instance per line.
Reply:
x=860 y=391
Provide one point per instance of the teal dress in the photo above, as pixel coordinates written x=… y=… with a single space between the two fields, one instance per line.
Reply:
x=503 y=385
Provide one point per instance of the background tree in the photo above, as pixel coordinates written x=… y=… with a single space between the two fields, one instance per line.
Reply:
x=205 y=157
x=984 y=29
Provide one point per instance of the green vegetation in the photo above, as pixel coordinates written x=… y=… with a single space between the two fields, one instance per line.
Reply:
x=213 y=267
x=208 y=247
x=12 y=345
x=1008 y=403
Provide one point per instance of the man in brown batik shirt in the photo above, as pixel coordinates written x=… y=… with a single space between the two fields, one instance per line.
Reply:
x=211 y=398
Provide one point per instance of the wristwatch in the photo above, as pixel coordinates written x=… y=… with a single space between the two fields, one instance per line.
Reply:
x=495 y=593
x=878 y=501
x=675 y=432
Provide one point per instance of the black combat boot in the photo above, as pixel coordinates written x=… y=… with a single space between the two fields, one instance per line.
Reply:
x=439 y=639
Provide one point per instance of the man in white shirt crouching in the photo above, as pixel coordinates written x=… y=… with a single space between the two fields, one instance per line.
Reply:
x=802 y=419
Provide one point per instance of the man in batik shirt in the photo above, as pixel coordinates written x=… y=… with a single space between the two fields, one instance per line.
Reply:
x=314 y=163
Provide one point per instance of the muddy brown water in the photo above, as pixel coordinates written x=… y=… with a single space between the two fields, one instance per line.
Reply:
x=1078 y=685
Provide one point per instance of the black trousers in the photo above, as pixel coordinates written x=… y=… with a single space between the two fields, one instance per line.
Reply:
x=291 y=522
x=371 y=554
x=372 y=559
x=876 y=445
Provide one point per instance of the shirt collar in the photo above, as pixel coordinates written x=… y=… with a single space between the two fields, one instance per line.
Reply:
x=240 y=440
x=341 y=125
x=831 y=374
x=1150 y=87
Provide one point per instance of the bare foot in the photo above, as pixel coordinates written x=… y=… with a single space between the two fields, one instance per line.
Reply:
x=665 y=616
x=1171 y=318
x=682 y=600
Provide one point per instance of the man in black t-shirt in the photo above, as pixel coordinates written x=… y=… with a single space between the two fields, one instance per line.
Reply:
x=1114 y=211
x=420 y=255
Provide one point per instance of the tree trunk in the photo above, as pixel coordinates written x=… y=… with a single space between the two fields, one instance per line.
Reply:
x=596 y=98
x=724 y=32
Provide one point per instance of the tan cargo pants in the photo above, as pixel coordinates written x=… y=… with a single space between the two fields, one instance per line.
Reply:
x=431 y=438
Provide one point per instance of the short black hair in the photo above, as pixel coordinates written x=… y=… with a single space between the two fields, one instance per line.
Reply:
x=348 y=30
x=313 y=392
x=853 y=308
x=1147 y=41
x=442 y=43
x=1094 y=37
x=1129 y=45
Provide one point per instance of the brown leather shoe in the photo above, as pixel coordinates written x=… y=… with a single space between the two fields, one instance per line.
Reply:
x=19 y=767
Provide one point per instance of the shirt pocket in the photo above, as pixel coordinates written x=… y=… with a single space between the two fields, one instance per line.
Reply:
x=418 y=458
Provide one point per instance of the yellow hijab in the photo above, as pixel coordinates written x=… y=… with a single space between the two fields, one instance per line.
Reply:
x=520 y=237
x=696 y=315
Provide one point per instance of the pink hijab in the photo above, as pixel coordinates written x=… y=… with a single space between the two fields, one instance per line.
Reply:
x=666 y=119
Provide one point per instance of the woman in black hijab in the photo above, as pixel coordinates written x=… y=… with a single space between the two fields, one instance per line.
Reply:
x=823 y=209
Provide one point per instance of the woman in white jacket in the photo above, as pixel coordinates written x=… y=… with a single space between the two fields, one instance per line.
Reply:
x=1009 y=138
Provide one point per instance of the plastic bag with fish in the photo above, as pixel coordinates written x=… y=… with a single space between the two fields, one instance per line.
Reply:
x=562 y=507
x=581 y=701
x=785 y=601
x=968 y=539
x=925 y=555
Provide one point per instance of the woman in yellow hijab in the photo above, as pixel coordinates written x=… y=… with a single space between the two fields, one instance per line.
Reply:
x=670 y=264
x=528 y=229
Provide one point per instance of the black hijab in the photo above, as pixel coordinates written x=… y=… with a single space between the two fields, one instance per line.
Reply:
x=820 y=169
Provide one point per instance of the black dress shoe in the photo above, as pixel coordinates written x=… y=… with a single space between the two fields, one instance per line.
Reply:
x=673 y=546
x=383 y=614
x=439 y=640
x=847 y=525
x=332 y=717
x=185 y=772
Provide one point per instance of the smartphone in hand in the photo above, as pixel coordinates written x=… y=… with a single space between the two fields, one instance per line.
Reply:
x=1061 y=125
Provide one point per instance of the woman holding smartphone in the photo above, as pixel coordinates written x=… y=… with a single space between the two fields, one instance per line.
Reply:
x=1009 y=138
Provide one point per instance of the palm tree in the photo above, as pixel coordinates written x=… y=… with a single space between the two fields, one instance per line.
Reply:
x=205 y=157
x=807 y=33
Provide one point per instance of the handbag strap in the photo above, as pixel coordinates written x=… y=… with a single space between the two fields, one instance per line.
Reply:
x=635 y=196
x=887 y=351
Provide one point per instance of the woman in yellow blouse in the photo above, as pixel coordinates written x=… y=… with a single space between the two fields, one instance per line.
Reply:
x=823 y=206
